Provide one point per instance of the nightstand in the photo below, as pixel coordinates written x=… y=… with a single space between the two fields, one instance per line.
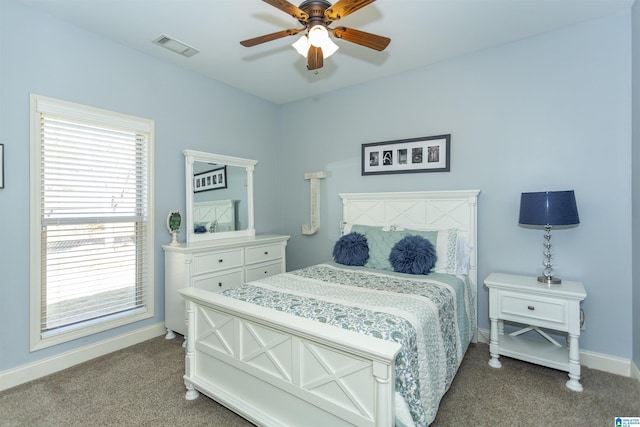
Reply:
x=524 y=300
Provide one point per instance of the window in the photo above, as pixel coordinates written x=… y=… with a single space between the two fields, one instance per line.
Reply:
x=91 y=230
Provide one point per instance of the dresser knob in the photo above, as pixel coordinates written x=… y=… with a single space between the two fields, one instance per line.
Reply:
x=531 y=307
x=266 y=252
x=220 y=284
x=220 y=260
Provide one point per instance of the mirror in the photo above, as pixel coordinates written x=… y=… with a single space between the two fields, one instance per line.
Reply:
x=219 y=193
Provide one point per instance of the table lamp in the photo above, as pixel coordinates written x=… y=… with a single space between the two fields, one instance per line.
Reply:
x=547 y=209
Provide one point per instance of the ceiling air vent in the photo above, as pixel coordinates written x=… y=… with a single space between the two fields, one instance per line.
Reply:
x=176 y=46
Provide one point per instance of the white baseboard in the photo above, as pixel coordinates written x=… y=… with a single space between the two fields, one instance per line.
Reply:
x=41 y=368
x=635 y=372
x=602 y=362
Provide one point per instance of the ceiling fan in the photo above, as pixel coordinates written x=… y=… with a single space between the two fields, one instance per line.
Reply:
x=315 y=17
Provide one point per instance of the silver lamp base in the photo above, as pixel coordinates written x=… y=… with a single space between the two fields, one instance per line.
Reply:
x=549 y=280
x=547 y=273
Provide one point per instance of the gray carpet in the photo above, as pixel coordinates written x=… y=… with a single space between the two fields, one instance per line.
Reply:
x=142 y=386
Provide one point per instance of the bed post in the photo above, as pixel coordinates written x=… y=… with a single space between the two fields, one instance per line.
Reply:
x=385 y=391
x=473 y=261
x=190 y=356
x=473 y=235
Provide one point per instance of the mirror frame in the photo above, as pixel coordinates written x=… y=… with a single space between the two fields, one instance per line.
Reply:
x=191 y=156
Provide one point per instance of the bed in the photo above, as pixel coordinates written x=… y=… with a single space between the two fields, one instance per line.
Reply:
x=329 y=344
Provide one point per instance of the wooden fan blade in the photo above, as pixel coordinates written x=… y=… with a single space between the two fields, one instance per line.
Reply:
x=315 y=59
x=269 y=37
x=343 y=8
x=289 y=8
x=369 y=40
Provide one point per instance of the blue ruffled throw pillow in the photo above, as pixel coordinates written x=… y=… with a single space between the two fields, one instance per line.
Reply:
x=351 y=249
x=413 y=255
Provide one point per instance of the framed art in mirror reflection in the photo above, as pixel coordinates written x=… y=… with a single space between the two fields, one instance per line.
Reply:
x=214 y=179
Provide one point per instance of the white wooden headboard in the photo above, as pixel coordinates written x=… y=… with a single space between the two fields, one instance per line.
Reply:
x=433 y=210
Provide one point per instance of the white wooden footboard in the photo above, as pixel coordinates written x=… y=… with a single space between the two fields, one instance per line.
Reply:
x=276 y=369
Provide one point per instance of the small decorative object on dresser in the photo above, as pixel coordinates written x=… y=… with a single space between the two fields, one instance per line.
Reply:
x=524 y=300
x=174 y=224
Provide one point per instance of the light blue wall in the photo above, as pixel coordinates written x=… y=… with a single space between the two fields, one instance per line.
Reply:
x=550 y=112
x=546 y=113
x=636 y=182
x=45 y=56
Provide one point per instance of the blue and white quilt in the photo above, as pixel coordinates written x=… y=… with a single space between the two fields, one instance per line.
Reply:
x=432 y=317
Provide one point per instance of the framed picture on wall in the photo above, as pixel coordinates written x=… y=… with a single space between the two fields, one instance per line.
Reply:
x=214 y=179
x=425 y=154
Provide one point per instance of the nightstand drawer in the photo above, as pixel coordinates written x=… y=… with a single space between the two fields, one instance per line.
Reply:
x=537 y=311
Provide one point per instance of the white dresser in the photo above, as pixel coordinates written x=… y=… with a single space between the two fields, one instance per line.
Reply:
x=217 y=265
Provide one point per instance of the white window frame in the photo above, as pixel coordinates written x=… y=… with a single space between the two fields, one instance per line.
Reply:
x=40 y=104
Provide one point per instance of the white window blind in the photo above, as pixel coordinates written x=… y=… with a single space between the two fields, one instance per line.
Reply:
x=93 y=215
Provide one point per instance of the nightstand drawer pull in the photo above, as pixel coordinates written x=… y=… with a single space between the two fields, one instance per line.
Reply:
x=530 y=307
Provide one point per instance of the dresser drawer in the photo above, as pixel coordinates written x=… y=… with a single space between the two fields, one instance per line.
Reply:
x=538 y=311
x=264 y=253
x=214 y=261
x=218 y=282
x=256 y=273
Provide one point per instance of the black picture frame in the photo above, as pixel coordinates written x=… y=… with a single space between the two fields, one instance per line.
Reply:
x=214 y=179
x=413 y=155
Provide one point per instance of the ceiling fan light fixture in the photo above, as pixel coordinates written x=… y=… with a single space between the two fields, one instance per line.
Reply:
x=329 y=48
x=315 y=17
x=318 y=37
x=302 y=45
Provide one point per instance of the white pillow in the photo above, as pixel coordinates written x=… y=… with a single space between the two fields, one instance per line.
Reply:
x=453 y=249
x=463 y=254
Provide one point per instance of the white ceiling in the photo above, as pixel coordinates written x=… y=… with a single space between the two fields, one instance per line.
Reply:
x=422 y=32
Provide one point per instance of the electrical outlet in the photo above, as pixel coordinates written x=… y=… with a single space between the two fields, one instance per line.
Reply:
x=583 y=323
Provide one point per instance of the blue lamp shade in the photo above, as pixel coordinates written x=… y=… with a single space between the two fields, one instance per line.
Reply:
x=549 y=208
